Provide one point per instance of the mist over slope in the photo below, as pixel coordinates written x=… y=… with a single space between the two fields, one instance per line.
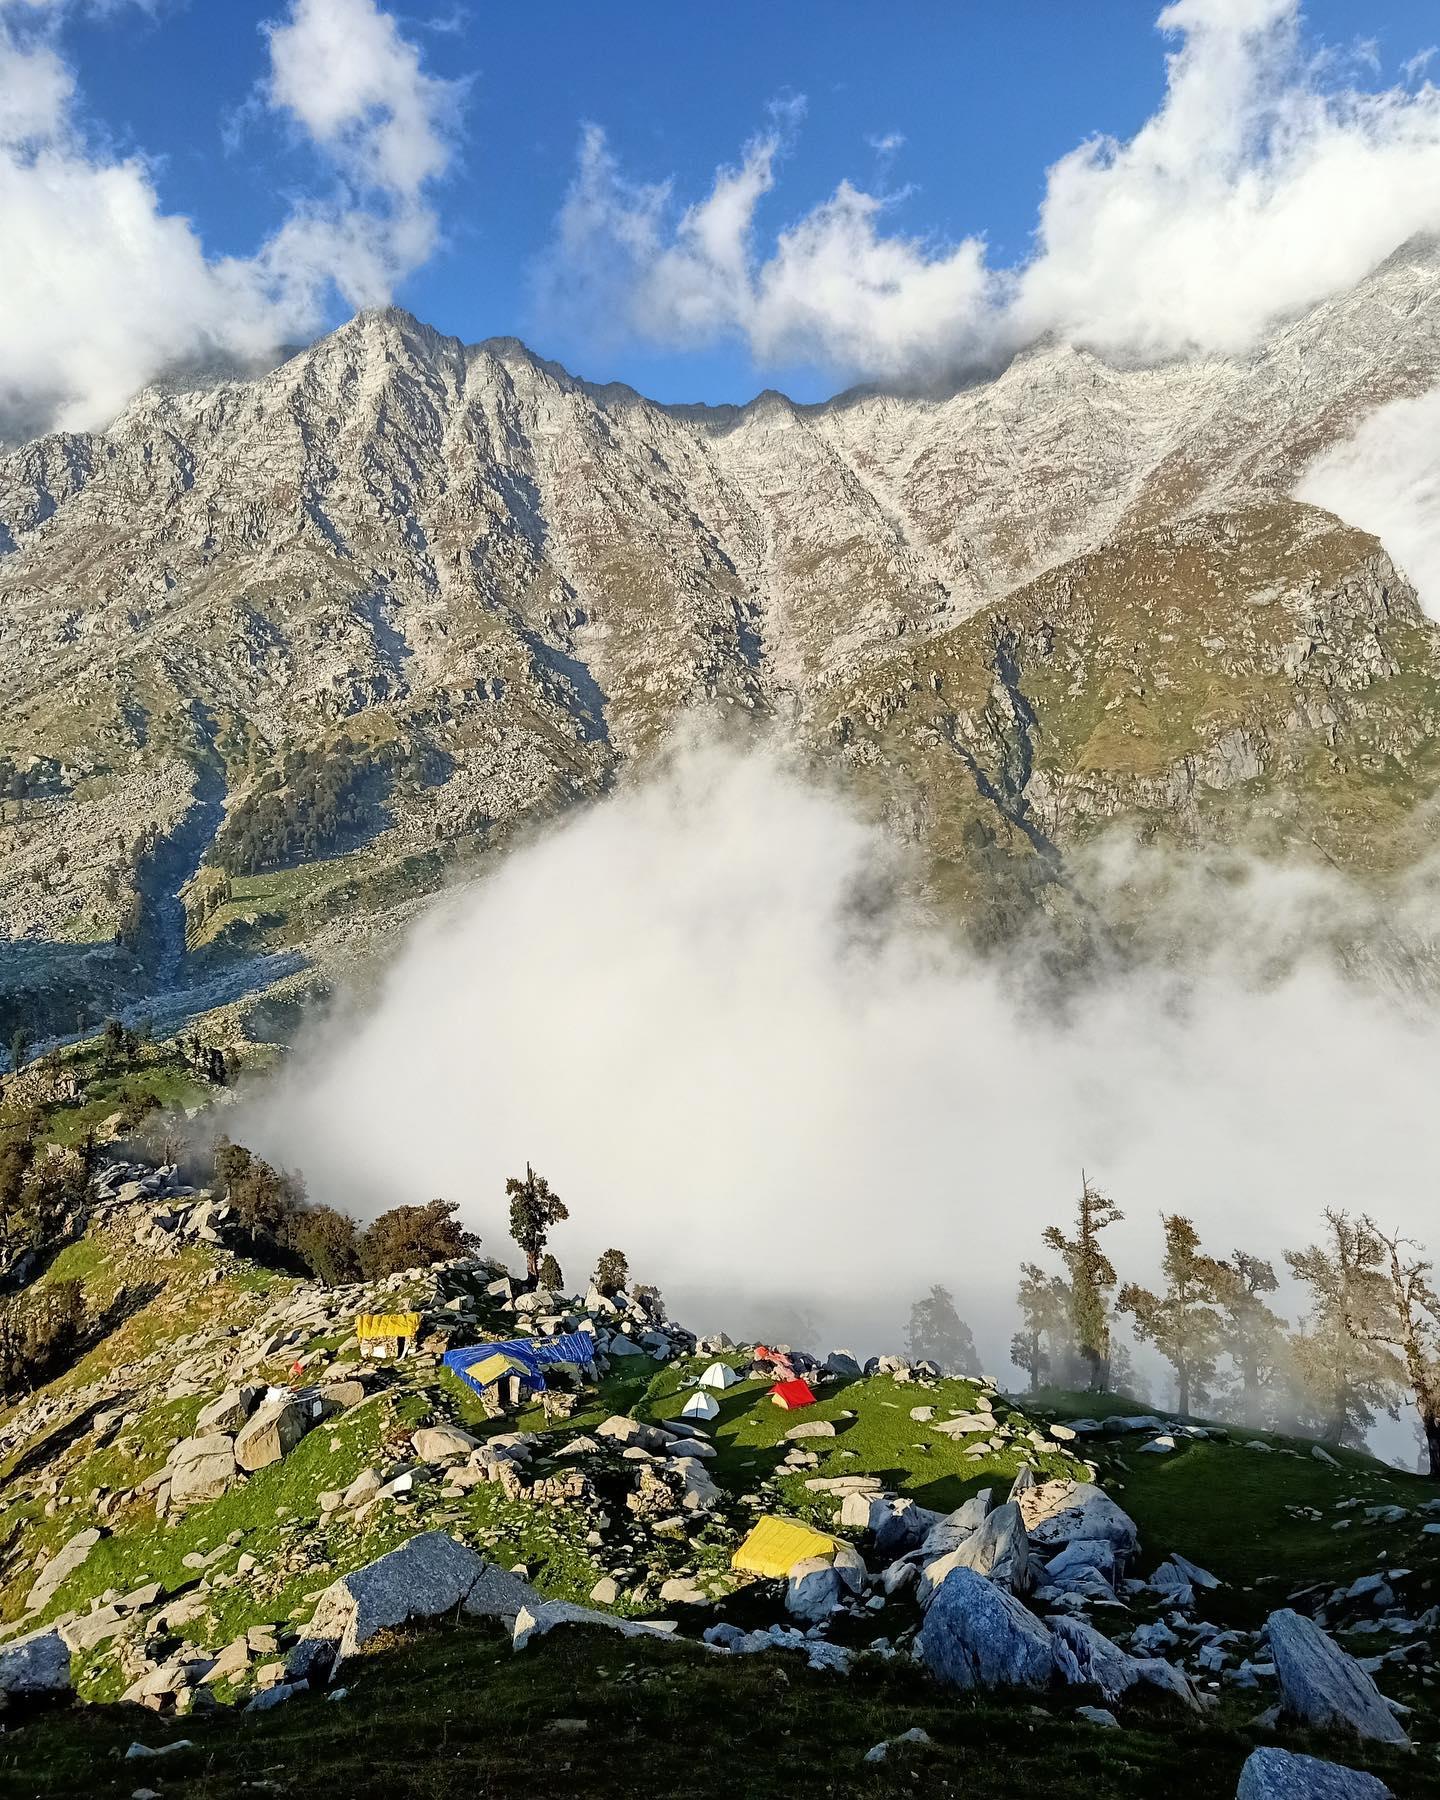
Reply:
x=709 y=1009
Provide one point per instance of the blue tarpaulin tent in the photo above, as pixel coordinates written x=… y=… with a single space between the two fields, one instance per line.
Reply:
x=533 y=1353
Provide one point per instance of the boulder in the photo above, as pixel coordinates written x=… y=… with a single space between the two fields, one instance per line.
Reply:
x=999 y=1549
x=1324 y=1687
x=61 y=1566
x=340 y=1396
x=843 y=1364
x=229 y=1412
x=86 y=1630
x=1085 y=1657
x=34 y=1665
x=1058 y=1512
x=1082 y=1558
x=618 y=1429
x=202 y=1469
x=813 y=1590
x=1281 y=1775
x=812 y=1428
x=978 y=1636
x=272 y=1432
x=426 y=1576
x=435 y=1443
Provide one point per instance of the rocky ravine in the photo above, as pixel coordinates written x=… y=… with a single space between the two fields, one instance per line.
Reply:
x=225 y=1503
x=1071 y=596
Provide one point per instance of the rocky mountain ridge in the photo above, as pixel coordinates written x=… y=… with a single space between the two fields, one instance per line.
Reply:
x=470 y=589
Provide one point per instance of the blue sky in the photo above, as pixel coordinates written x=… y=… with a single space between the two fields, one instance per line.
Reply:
x=985 y=97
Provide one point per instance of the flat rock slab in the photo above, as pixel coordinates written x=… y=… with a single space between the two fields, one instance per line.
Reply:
x=60 y=1568
x=1279 y=1775
x=539 y=1617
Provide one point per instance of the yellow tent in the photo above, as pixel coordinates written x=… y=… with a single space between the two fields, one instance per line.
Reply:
x=386 y=1325
x=493 y=1367
x=775 y=1545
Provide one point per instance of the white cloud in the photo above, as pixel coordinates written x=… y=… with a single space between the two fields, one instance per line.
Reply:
x=342 y=69
x=1385 y=479
x=103 y=287
x=1260 y=185
x=691 y=1007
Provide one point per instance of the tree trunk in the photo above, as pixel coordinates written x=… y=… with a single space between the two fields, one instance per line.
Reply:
x=1182 y=1389
x=1430 y=1421
x=532 y=1265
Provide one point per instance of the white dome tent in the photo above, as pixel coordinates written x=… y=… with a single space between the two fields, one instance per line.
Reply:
x=700 y=1405
x=719 y=1375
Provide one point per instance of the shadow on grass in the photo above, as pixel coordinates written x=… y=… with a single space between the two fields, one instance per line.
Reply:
x=451 y=1713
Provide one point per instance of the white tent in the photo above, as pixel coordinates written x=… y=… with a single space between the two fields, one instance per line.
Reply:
x=719 y=1375
x=699 y=1406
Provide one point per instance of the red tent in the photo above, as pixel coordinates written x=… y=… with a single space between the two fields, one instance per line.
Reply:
x=792 y=1394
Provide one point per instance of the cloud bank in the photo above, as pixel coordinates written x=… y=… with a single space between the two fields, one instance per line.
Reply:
x=1385 y=478
x=702 y=1010
x=1263 y=183
x=103 y=287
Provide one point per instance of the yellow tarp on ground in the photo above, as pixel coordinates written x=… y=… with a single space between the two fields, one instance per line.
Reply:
x=775 y=1545
x=387 y=1325
x=493 y=1368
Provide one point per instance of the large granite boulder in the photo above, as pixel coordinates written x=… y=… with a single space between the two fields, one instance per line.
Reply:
x=1058 y=1512
x=999 y=1549
x=1324 y=1687
x=978 y=1636
x=229 y=1412
x=201 y=1468
x=425 y=1577
x=34 y=1665
x=1280 y=1775
x=272 y=1432
x=813 y=1590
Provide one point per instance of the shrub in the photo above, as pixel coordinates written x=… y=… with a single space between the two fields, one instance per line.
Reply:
x=411 y=1237
x=329 y=1245
x=37 y=1331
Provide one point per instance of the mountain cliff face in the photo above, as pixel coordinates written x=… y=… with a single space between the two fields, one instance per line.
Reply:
x=277 y=655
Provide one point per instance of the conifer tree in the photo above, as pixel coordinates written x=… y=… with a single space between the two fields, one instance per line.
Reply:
x=1092 y=1275
x=1040 y=1346
x=1251 y=1335
x=938 y=1334
x=1410 y=1327
x=1339 y=1355
x=1183 y=1323
x=551 y=1275
x=533 y=1210
x=612 y=1272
